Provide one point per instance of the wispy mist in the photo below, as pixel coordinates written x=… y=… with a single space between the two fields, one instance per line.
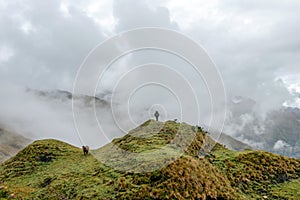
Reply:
x=254 y=44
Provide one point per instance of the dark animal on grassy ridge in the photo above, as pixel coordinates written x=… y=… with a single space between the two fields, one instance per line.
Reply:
x=85 y=149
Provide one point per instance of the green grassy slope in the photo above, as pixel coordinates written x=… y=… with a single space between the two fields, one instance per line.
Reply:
x=50 y=169
x=257 y=174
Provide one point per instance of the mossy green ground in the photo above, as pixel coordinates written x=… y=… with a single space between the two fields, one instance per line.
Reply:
x=288 y=190
x=50 y=169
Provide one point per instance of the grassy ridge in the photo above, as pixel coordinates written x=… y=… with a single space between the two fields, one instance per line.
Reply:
x=50 y=169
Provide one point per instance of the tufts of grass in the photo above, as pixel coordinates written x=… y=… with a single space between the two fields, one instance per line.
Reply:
x=50 y=169
x=186 y=178
x=288 y=190
x=255 y=173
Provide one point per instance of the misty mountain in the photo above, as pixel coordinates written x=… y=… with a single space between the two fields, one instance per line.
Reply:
x=38 y=114
x=10 y=144
x=66 y=96
x=278 y=131
x=230 y=142
x=48 y=114
x=283 y=134
x=103 y=101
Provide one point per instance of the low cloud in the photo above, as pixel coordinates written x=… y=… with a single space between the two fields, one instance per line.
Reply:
x=254 y=44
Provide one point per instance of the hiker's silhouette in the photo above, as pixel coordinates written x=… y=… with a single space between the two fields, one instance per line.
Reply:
x=156 y=115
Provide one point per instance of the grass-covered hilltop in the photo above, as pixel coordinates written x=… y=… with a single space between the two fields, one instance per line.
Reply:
x=154 y=161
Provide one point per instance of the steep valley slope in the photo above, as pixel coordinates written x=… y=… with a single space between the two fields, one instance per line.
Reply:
x=10 y=144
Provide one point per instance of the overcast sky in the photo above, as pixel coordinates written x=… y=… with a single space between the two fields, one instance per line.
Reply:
x=254 y=43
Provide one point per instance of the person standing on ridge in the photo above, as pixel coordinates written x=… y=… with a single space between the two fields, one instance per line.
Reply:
x=156 y=115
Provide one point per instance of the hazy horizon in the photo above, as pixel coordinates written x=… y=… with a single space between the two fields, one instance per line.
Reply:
x=254 y=45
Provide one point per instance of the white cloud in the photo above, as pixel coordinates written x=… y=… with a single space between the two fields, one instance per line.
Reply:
x=6 y=53
x=101 y=12
x=131 y=14
x=281 y=145
x=27 y=27
x=255 y=44
x=188 y=14
x=48 y=47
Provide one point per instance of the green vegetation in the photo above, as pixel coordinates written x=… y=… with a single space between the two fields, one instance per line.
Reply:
x=50 y=169
x=256 y=173
x=288 y=190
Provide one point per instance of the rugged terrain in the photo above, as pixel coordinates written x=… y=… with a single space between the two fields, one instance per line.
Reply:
x=179 y=169
x=275 y=131
x=10 y=144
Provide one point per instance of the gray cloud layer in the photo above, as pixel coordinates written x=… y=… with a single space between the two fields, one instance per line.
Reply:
x=47 y=46
x=255 y=45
